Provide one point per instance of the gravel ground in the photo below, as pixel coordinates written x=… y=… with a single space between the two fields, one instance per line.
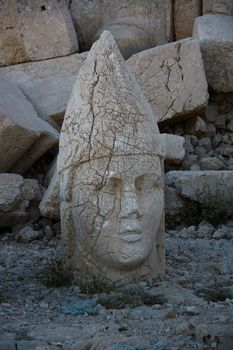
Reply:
x=191 y=308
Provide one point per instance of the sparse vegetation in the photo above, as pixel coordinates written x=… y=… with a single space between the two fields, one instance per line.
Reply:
x=55 y=275
x=95 y=287
x=2 y=299
x=130 y=298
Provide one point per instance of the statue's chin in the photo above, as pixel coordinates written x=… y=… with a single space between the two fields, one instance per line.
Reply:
x=130 y=257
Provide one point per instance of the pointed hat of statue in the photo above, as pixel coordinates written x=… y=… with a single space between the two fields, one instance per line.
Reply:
x=107 y=114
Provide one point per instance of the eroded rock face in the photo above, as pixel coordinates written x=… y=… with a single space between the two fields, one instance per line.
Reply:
x=185 y=13
x=172 y=78
x=47 y=84
x=19 y=199
x=110 y=165
x=23 y=136
x=215 y=32
x=218 y=6
x=136 y=25
x=34 y=30
x=195 y=195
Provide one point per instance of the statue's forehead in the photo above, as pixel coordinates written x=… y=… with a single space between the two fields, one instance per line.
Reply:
x=132 y=165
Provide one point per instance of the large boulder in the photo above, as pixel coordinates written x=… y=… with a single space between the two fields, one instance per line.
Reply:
x=23 y=136
x=32 y=31
x=192 y=196
x=47 y=84
x=215 y=32
x=19 y=200
x=218 y=6
x=136 y=25
x=185 y=13
x=172 y=78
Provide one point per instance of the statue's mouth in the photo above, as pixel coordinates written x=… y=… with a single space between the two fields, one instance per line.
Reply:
x=131 y=236
x=130 y=231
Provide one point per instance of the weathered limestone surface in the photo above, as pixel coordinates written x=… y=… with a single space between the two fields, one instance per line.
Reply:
x=19 y=200
x=174 y=151
x=185 y=13
x=21 y=130
x=50 y=204
x=110 y=165
x=215 y=32
x=172 y=78
x=218 y=6
x=47 y=84
x=192 y=195
x=174 y=147
x=34 y=30
x=136 y=25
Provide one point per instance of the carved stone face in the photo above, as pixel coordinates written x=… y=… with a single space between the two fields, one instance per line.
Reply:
x=117 y=207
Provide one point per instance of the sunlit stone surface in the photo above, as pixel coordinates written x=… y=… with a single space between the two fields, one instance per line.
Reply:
x=110 y=165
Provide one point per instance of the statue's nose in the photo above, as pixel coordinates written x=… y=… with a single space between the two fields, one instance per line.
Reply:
x=129 y=205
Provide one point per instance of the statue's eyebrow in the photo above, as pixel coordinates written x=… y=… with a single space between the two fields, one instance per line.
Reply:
x=153 y=175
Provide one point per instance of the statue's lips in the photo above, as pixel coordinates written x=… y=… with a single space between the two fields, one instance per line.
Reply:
x=131 y=237
x=130 y=232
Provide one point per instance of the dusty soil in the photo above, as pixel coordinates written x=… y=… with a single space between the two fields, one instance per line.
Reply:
x=191 y=308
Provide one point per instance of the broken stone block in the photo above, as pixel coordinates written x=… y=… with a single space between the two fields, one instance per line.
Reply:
x=21 y=130
x=50 y=204
x=220 y=121
x=19 y=200
x=32 y=31
x=27 y=234
x=215 y=32
x=174 y=147
x=201 y=195
x=212 y=163
x=185 y=13
x=47 y=84
x=211 y=113
x=218 y=6
x=172 y=78
x=136 y=25
x=196 y=126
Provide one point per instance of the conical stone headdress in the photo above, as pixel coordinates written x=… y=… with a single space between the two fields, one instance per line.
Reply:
x=107 y=114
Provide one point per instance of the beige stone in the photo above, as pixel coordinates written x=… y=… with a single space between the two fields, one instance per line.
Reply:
x=218 y=6
x=21 y=130
x=199 y=195
x=136 y=25
x=185 y=12
x=50 y=204
x=110 y=165
x=47 y=84
x=174 y=151
x=174 y=147
x=19 y=200
x=172 y=78
x=215 y=32
x=35 y=30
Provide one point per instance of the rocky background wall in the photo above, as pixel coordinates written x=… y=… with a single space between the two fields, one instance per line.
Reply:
x=181 y=53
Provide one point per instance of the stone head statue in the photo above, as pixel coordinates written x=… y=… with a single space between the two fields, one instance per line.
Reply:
x=111 y=174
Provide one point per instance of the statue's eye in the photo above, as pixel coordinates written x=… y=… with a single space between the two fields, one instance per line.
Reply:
x=146 y=183
x=113 y=185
